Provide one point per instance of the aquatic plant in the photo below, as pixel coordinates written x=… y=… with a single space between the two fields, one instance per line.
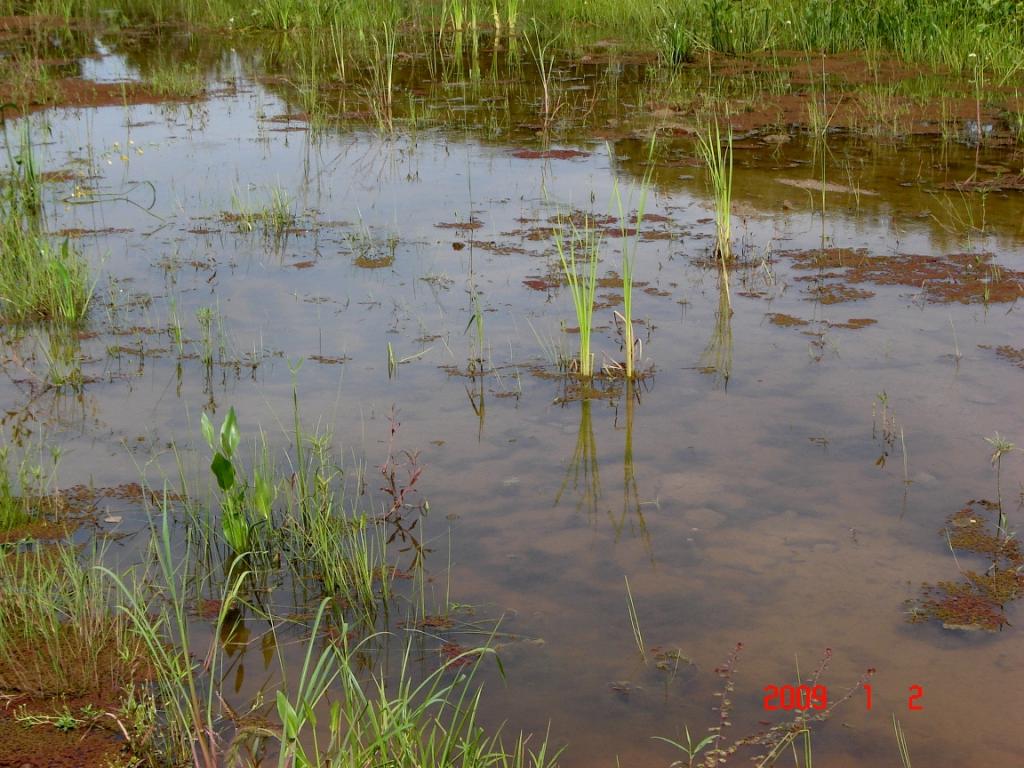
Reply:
x=718 y=161
x=172 y=80
x=185 y=683
x=1000 y=447
x=630 y=343
x=673 y=37
x=26 y=488
x=60 y=636
x=38 y=280
x=717 y=749
x=901 y=742
x=579 y=253
x=275 y=216
x=245 y=507
x=408 y=723
x=539 y=47
x=634 y=622
x=381 y=88
x=512 y=14
x=978 y=600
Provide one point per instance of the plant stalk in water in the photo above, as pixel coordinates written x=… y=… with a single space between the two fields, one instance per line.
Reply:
x=579 y=255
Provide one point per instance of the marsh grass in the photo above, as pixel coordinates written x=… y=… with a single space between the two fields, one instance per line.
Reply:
x=634 y=622
x=28 y=485
x=381 y=87
x=175 y=81
x=155 y=602
x=629 y=251
x=341 y=706
x=792 y=735
x=397 y=719
x=275 y=216
x=718 y=159
x=579 y=254
x=59 y=633
x=38 y=279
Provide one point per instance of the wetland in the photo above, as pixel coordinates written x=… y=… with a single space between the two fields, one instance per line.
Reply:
x=465 y=383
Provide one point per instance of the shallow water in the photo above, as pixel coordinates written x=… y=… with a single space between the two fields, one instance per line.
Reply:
x=752 y=510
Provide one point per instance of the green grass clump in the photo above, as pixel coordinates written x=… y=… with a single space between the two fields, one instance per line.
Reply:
x=400 y=722
x=175 y=81
x=38 y=279
x=59 y=633
x=275 y=217
x=579 y=254
x=15 y=510
x=717 y=157
x=26 y=494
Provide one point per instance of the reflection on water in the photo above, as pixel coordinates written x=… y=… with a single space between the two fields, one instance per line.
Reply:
x=582 y=474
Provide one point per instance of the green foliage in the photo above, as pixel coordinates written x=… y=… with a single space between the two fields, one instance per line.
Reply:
x=245 y=505
x=717 y=157
x=24 y=491
x=579 y=254
x=58 y=627
x=38 y=280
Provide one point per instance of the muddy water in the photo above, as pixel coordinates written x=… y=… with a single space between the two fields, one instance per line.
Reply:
x=740 y=491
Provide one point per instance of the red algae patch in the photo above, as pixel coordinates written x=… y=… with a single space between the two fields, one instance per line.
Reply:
x=76 y=93
x=1008 y=353
x=549 y=154
x=964 y=278
x=854 y=323
x=785 y=321
x=977 y=602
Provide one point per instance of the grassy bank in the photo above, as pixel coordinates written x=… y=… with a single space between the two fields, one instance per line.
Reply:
x=938 y=33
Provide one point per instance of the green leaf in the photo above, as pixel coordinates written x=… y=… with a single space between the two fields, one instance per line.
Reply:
x=264 y=494
x=289 y=719
x=207 y=428
x=229 y=437
x=223 y=470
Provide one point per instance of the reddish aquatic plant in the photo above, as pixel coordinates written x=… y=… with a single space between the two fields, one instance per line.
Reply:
x=978 y=600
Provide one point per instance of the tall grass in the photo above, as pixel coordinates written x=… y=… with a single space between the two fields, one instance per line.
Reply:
x=185 y=684
x=392 y=721
x=381 y=89
x=717 y=157
x=939 y=33
x=26 y=487
x=59 y=634
x=38 y=279
x=579 y=254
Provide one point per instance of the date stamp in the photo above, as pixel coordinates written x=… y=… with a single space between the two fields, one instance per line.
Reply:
x=815 y=697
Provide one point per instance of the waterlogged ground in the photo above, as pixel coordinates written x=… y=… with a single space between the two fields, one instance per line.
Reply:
x=780 y=478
